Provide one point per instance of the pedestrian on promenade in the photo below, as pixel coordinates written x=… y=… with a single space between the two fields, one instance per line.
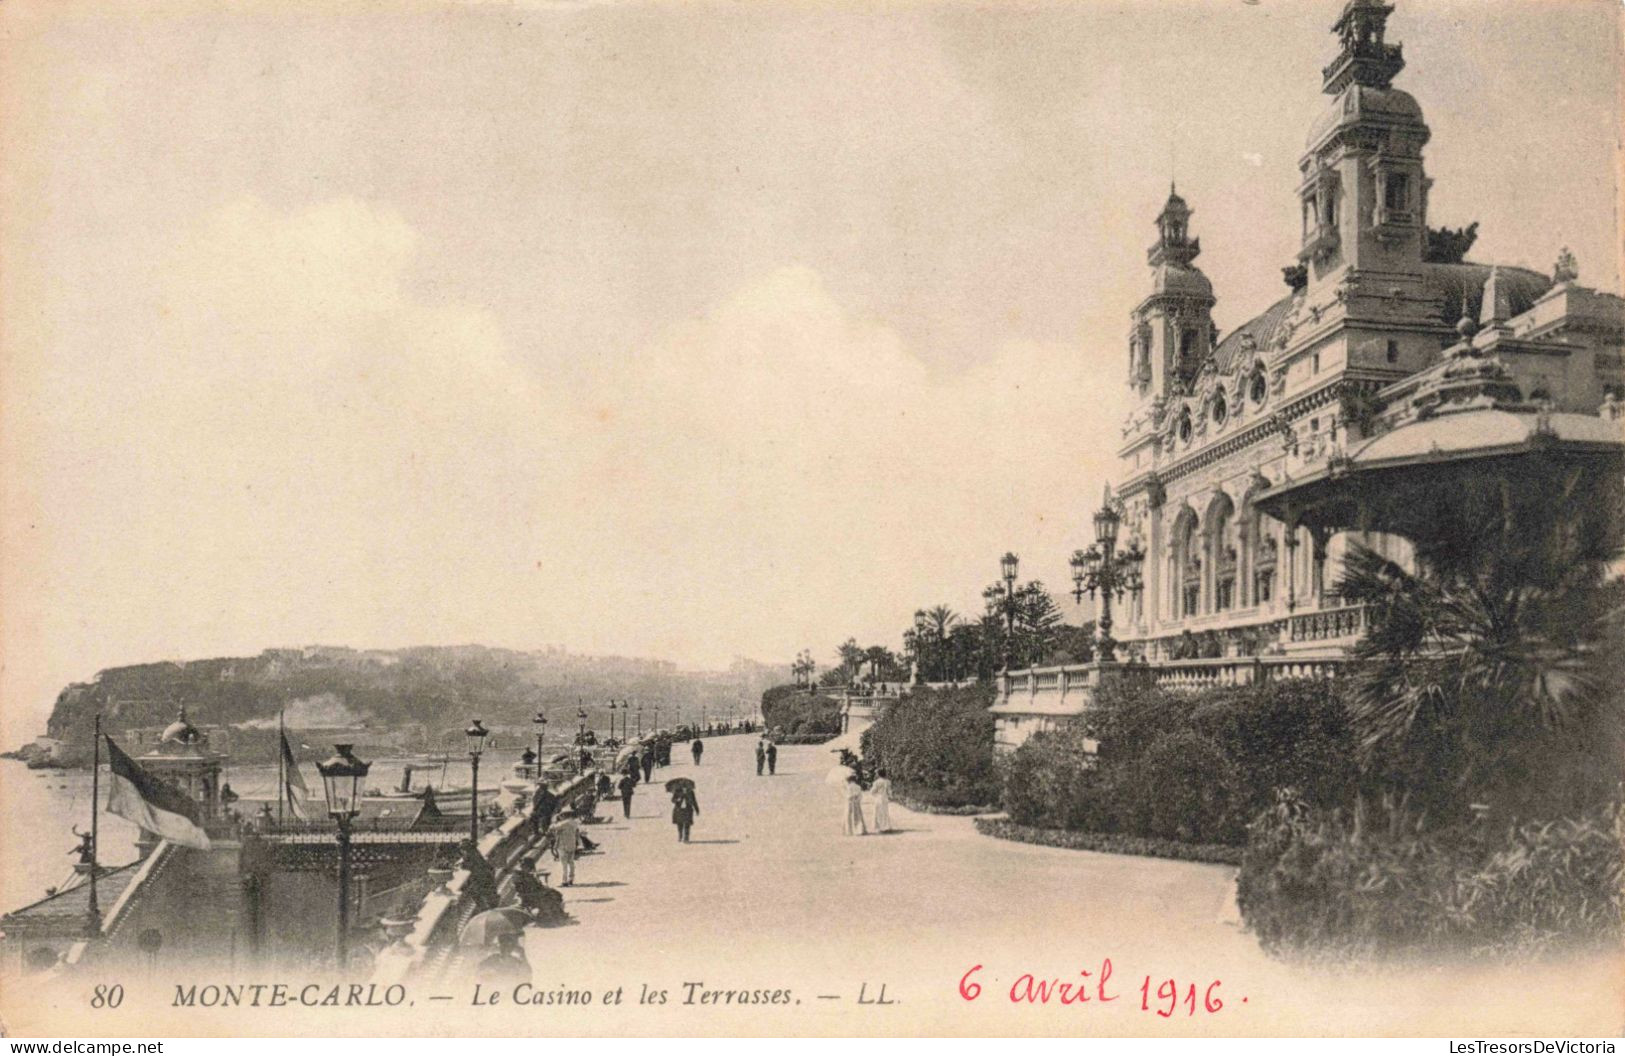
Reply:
x=627 y=784
x=881 y=789
x=761 y=757
x=544 y=904
x=698 y=748
x=481 y=884
x=854 y=808
x=648 y=762
x=541 y=812
x=684 y=805
x=565 y=836
x=772 y=758
x=633 y=770
x=606 y=787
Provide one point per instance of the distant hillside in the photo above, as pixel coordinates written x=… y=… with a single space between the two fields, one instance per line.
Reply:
x=439 y=688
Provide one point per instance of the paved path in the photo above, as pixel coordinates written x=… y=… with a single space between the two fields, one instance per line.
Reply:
x=771 y=895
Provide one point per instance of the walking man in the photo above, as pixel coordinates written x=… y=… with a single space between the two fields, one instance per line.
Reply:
x=566 y=834
x=761 y=757
x=627 y=784
x=772 y=758
x=648 y=762
x=698 y=748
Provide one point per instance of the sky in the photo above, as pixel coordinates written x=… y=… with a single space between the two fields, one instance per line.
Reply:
x=688 y=331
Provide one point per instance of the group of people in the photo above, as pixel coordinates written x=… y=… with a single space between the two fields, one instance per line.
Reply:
x=767 y=753
x=880 y=790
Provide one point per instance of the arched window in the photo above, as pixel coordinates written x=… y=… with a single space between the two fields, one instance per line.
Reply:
x=1258 y=387
x=1185 y=560
x=1222 y=551
x=1221 y=410
x=1185 y=426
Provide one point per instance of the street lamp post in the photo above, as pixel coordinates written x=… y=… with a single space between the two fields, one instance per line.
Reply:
x=476 y=735
x=541 y=734
x=1101 y=568
x=581 y=732
x=640 y=720
x=341 y=782
x=612 y=708
x=1008 y=566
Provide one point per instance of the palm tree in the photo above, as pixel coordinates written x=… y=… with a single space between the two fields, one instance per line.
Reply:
x=1494 y=673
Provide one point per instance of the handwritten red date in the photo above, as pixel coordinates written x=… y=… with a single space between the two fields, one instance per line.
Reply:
x=1166 y=998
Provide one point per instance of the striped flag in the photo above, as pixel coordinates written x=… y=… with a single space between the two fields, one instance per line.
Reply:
x=293 y=782
x=154 y=805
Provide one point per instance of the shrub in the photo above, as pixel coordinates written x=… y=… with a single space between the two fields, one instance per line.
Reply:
x=1330 y=883
x=1184 y=766
x=797 y=711
x=938 y=743
x=1183 y=787
x=1049 y=780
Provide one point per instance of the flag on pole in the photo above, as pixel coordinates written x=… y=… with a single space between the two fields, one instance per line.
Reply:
x=293 y=783
x=154 y=805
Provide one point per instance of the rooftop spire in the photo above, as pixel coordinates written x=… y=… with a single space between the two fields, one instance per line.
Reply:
x=1174 y=244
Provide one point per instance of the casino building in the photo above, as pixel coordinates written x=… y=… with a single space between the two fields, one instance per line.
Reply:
x=1252 y=461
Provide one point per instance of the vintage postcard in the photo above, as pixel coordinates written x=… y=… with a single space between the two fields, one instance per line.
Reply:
x=621 y=518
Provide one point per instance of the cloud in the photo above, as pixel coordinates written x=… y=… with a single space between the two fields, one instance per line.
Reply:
x=303 y=447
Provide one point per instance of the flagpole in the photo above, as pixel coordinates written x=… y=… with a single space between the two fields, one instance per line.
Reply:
x=281 y=767
x=95 y=911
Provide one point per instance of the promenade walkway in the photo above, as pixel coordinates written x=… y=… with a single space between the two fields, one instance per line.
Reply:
x=771 y=895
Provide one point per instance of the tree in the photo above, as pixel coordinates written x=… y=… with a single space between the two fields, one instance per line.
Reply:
x=1493 y=674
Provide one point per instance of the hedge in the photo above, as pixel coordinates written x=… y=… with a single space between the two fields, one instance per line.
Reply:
x=938 y=743
x=1109 y=842
x=926 y=801
x=1186 y=767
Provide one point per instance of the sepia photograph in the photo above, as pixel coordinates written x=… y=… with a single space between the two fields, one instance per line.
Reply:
x=899 y=519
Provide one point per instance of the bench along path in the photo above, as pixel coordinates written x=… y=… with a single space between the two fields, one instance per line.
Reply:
x=771 y=895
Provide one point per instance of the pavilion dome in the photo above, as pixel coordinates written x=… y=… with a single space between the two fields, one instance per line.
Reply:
x=181 y=731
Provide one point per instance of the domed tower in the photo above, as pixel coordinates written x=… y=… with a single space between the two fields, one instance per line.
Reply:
x=184 y=758
x=1172 y=331
x=1364 y=193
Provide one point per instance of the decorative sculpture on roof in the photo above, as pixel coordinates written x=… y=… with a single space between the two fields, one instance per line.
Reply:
x=1567 y=269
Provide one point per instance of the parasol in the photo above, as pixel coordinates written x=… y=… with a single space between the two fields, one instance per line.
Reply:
x=483 y=928
x=839 y=775
x=680 y=782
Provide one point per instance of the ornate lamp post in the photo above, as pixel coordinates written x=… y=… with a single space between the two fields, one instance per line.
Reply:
x=476 y=735
x=612 y=708
x=581 y=731
x=640 y=720
x=1101 y=568
x=1009 y=564
x=341 y=782
x=541 y=735
x=657 y=717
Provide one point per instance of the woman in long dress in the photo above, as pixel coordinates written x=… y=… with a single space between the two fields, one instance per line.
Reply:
x=854 y=808
x=881 y=789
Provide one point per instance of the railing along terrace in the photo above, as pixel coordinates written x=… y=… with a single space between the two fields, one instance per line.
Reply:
x=440 y=918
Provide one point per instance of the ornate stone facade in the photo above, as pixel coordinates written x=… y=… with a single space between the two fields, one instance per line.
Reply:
x=1390 y=368
x=1218 y=422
